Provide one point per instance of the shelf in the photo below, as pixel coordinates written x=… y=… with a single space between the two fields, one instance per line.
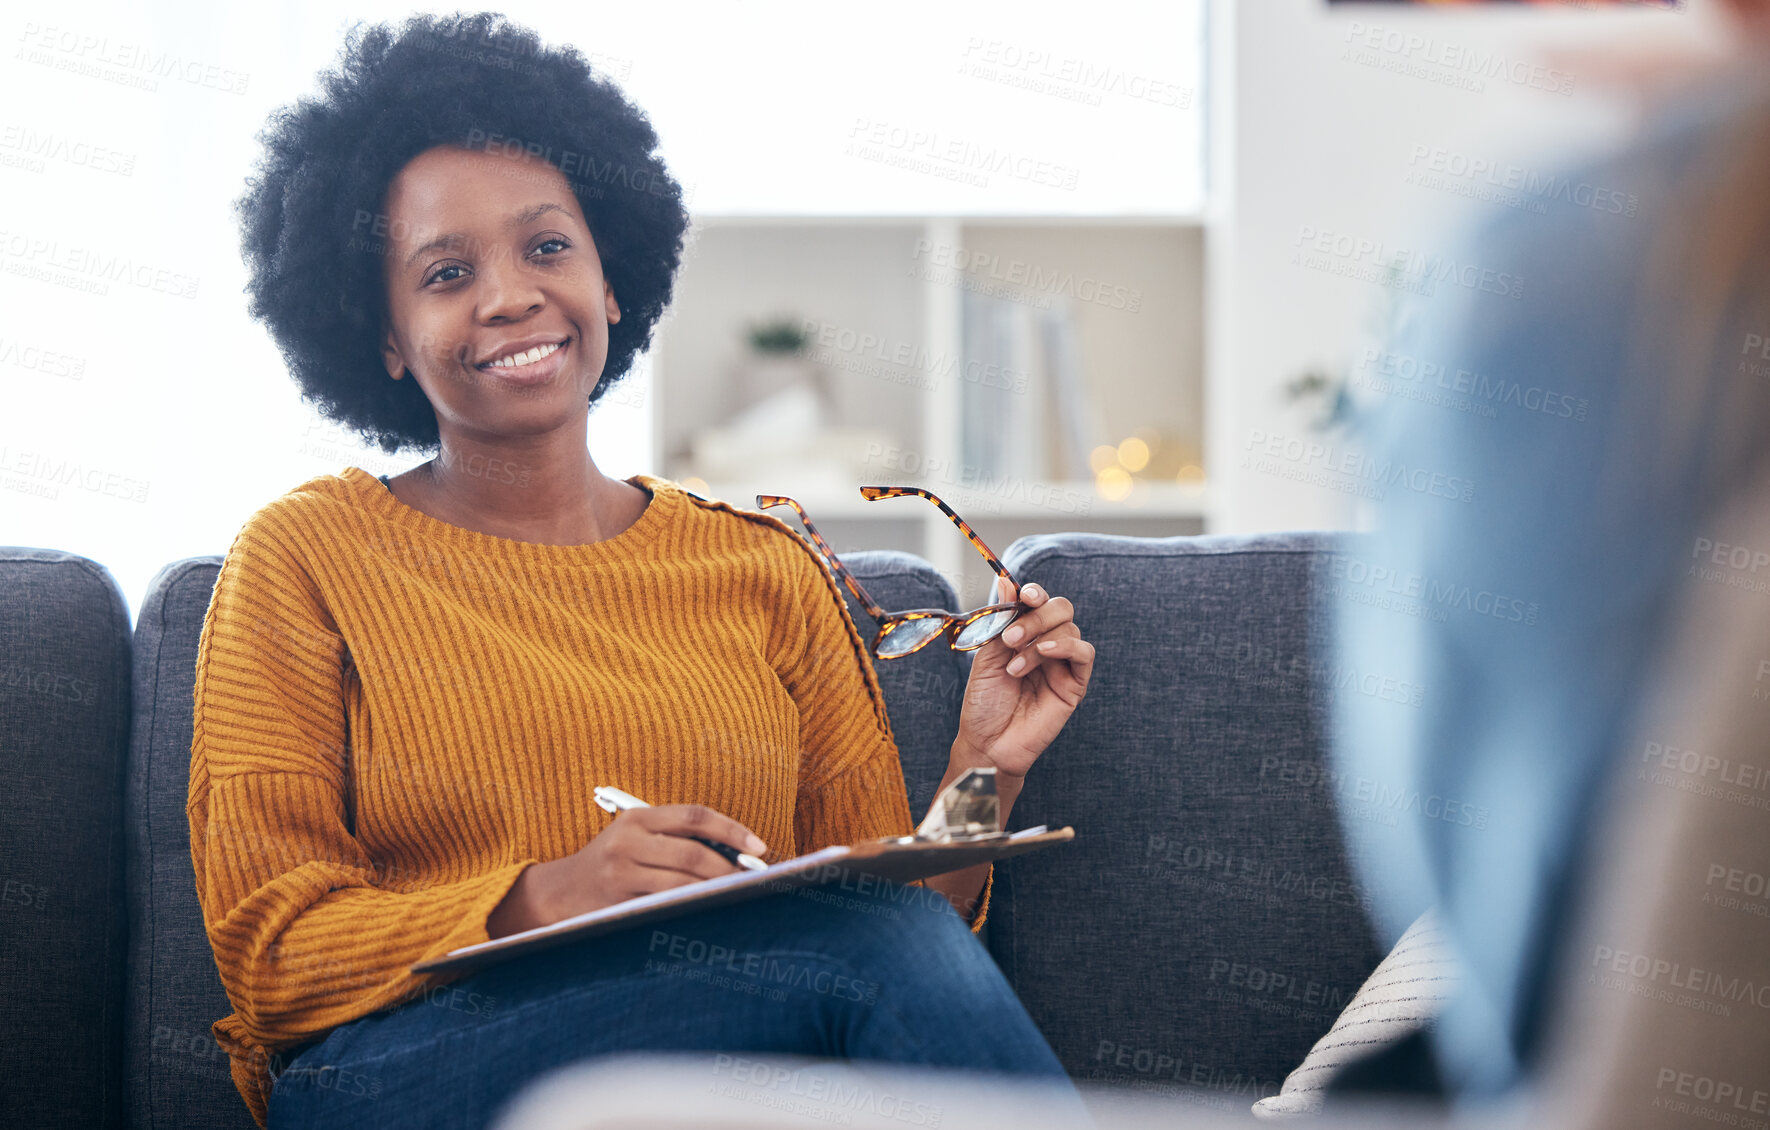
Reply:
x=920 y=220
x=1154 y=501
x=916 y=325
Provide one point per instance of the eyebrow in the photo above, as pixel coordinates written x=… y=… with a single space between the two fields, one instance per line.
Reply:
x=527 y=215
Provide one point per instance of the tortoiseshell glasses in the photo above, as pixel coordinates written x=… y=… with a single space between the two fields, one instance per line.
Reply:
x=901 y=633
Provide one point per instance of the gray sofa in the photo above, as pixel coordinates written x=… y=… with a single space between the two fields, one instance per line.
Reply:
x=1196 y=938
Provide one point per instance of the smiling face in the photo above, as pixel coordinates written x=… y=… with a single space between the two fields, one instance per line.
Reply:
x=496 y=301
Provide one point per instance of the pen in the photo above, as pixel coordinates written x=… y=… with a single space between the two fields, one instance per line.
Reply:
x=611 y=799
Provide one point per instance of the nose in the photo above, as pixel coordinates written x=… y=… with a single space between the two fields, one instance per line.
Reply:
x=508 y=290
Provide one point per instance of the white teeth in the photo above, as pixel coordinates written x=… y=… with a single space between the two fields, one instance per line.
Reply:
x=517 y=360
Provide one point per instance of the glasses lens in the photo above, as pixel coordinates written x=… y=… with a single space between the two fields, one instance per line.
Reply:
x=984 y=629
x=905 y=636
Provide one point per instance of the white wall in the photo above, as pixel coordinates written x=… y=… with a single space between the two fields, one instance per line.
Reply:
x=1321 y=139
x=180 y=419
x=143 y=416
x=163 y=416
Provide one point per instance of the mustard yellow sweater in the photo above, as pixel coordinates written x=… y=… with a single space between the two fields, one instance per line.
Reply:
x=394 y=716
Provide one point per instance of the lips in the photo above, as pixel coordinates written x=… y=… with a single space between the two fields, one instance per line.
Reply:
x=534 y=366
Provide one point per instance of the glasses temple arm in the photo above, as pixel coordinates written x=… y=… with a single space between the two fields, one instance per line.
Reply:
x=874 y=494
x=764 y=501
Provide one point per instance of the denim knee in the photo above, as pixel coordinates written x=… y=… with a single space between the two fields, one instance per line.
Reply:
x=882 y=916
x=909 y=935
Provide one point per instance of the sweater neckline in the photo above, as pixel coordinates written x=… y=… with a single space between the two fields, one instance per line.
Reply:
x=378 y=497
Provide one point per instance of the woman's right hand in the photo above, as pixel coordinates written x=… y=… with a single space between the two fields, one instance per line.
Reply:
x=644 y=851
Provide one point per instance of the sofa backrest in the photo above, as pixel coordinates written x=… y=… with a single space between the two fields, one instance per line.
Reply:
x=64 y=727
x=179 y=1077
x=924 y=690
x=1203 y=929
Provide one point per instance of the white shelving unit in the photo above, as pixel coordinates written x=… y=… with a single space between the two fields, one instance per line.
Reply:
x=883 y=297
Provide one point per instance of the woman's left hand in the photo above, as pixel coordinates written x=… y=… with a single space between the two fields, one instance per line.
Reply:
x=1011 y=713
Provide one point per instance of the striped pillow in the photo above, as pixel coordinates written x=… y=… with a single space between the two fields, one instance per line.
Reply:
x=1401 y=995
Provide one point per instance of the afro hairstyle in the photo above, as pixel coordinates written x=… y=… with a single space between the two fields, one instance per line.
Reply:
x=309 y=235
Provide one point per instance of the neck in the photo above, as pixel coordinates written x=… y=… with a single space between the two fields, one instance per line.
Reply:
x=542 y=488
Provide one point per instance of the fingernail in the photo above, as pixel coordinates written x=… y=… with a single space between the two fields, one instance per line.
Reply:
x=1033 y=591
x=1012 y=635
x=1047 y=645
x=1019 y=662
x=755 y=846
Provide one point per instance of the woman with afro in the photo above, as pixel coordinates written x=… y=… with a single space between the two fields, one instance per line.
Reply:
x=408 y=686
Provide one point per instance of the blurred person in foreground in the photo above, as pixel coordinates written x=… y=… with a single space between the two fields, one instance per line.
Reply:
x=1604 y=594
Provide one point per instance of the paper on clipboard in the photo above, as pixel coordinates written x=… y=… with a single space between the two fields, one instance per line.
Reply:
x=899 y=859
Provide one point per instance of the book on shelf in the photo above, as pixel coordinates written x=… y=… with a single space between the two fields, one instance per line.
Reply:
x=1025 y=411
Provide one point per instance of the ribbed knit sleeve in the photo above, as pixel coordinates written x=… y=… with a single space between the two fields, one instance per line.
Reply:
x=304 y=938
x=851 y=785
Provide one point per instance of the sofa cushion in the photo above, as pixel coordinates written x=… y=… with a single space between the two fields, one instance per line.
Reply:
x=178 y=1074
x=1203 y=929
x=64 y=714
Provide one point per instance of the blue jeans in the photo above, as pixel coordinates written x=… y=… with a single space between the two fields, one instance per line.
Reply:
x=890 y=974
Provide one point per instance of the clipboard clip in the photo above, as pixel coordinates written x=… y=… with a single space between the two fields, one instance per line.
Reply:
x=966 y=811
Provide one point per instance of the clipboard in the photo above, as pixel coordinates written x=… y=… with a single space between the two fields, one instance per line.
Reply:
x=899 y=859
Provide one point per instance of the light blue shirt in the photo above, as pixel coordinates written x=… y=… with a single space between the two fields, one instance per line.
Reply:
x=1528 y=613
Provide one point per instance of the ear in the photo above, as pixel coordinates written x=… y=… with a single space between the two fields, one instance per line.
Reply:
x=609 y=306
x=391 y=358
